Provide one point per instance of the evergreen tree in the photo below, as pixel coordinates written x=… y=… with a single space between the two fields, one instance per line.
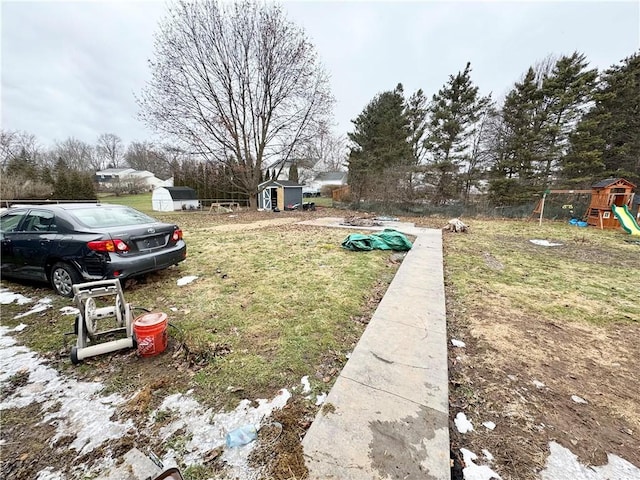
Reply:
x=513 y=175
x=416 y=112
x=61 y=189
x=607 y=139
x=454 y=113
x=380 y=153
x=538 y=117
x=566 y=92
x=22 y=166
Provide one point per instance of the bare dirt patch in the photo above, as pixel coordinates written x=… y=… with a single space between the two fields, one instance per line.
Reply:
x=27 y=451
x=279 y=451
x=529 y=355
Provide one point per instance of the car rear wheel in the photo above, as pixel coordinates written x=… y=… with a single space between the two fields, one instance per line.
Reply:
x=63 y=277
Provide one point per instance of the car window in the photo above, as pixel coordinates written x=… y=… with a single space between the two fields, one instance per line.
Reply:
x=111 y=217
x=40 y=221
x=9 y=222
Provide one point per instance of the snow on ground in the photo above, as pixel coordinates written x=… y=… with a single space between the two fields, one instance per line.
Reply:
x=40 y=306
x=471 y=471
x=545 y=243
x=462 y=424
x=489 y=425
x=69 y=311
x=562 y=465
x=74 y=399
x=306 y=386
x=186 y=280
x=7 y=297
x=78 y=409
x=458 y=343
x=207 y=429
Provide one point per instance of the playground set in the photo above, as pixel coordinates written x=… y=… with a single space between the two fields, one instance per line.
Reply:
x=609 y=207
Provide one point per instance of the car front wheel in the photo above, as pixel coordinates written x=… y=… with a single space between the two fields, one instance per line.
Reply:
x=63 y=277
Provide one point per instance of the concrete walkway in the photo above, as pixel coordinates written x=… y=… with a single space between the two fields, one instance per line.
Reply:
x=387 y=414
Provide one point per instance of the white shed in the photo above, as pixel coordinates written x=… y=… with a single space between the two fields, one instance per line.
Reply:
x=169 y=199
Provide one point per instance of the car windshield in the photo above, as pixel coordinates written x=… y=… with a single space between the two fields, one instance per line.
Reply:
x=111 y=217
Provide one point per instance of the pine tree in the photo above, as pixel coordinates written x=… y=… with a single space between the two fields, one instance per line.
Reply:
x=61 y=188
x=416 y=112
x=607 y=139
x=513 y=174
x=566 y=92
x=454 y=113
x=380 y=156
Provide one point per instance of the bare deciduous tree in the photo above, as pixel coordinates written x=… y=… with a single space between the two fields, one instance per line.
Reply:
x=238 y=83
x=329 y=150
x=110 y=150
x=76 y=154
x=147 y=156
x=13 y=143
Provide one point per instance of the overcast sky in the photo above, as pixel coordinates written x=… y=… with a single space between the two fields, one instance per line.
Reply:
x=72 y=68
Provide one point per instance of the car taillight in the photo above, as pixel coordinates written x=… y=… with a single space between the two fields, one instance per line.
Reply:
x=177 y=235
x=116 y=245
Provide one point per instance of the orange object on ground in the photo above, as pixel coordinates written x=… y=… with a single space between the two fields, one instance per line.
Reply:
x=150 y=331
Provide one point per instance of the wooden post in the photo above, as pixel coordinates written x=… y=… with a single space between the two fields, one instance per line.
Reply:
x=544 y=196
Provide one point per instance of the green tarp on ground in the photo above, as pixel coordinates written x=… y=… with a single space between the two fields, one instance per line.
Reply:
x=388 y=239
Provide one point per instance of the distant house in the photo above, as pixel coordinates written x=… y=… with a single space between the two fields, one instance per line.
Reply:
x=280 y=194
x=170 y=199
x=111 y=177
x=324 y=180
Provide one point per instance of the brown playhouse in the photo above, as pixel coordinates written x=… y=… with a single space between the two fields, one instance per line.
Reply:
x=604 y=194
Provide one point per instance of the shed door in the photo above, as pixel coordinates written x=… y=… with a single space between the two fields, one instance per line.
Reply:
x=266 y=199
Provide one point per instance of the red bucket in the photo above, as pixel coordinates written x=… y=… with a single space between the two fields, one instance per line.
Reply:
x=150 y=331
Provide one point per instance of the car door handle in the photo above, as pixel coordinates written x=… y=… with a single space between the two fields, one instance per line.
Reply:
x=44 y=241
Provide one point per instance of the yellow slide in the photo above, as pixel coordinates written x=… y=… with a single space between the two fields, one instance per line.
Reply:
x=626 y=219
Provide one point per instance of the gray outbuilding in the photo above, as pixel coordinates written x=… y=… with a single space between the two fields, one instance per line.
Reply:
x=279 y=194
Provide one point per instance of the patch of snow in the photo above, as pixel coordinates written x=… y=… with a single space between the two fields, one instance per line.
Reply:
x=487 y=455
x=19 y=328
x=41 y=306
x=320 y=399
x=85 y=415
x=538 y=384
x=462 y=424
x=562 y=464
x=471 y=471
x=545 y=243
x=82 y=412
x=578 y=399
x=458 y=343
x=173 y=309
x=207 y=429
x=306 y=386
x=489 y=425
x=186 y=280
x=69 y=311
x=50 y=474
x=7 y=297
x=513 y=378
